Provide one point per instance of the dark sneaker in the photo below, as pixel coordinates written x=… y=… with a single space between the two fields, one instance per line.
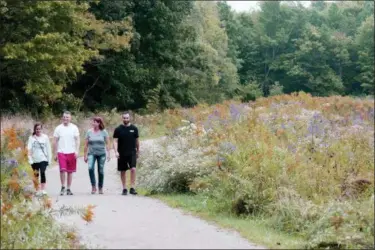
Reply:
x=124 y=191
x=62 y=191
x=68 y=192
x=132 y=191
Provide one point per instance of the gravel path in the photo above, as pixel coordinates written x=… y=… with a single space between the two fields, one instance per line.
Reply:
x=135 y=222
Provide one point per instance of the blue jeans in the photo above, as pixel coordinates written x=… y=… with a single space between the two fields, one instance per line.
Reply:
x=91 y=161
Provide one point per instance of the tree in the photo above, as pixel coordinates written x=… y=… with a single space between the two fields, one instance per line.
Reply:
x=365 y=45
x=308 y=67
x=231 y=25
x=44 y=47
x=217 y=77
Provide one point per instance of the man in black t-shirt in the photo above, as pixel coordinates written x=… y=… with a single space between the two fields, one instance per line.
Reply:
x=126 y=147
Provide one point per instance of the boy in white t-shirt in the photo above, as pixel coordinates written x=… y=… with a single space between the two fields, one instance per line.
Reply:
x=66 y=149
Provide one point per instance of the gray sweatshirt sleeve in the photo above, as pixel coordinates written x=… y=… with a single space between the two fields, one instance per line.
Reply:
x=49 y=151
x=29 y=150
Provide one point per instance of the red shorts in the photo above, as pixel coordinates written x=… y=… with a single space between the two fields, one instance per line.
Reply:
x=67 y=162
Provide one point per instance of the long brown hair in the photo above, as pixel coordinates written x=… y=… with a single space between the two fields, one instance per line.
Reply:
x=100 y=121
x=36 y=125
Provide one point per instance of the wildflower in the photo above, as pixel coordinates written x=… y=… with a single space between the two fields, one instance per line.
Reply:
x=28 y=188
x=274 y=106
x=357 y=119
x=228 y=147
x=88 y=214
x=24 y=173
x=12 y=163
x=279 y=132
x=13 y=185
x=28 y=196
x=371 y=113
x=28 y=215
x=28 y=192
x=337 y=221
x=6 y=207
x=36 y=179
x=71 y=235
x=13 y=141
x=11 y=166
x=316 y=126
x=47 y=203
x=234 y=112
x=292 y=148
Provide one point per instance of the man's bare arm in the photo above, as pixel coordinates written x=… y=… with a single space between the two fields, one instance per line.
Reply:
x=137 y=146
x=55 y=141
x=115 y=142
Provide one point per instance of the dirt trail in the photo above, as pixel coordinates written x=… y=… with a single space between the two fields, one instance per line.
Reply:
x=135 y=222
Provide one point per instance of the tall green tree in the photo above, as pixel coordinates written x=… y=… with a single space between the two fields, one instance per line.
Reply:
x=308 y=67
x=365 y=46
x=217 y=79
x=45 y=45
x=42 y=48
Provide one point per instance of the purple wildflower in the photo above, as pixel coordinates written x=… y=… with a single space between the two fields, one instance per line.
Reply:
x=24 y=173
x=316 y=126
x=28 y=189
x=188 y=116
x=357 y=119
x=235 y=113
x=292 y=148
x=371 y=113
x=220 y=159
x=228 y=147
x=12 y=163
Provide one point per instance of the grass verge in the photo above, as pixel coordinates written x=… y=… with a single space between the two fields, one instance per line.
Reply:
x=253 y=229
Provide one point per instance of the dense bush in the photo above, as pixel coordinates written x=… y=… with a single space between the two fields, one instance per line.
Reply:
x=172 y=166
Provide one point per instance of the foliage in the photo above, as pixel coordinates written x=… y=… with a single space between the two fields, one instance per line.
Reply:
x=155 y=55
x=365 y=43
x=28 y=221
x=172 y=169
x=47 y=51
x=303 y=162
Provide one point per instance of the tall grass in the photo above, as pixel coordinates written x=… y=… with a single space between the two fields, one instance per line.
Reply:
x=149 y=125
x=306 y=163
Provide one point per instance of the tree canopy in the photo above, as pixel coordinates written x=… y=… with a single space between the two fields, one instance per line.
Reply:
x=156 y=54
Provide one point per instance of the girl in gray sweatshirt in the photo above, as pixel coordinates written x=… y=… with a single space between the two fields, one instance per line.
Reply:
x=39 y=155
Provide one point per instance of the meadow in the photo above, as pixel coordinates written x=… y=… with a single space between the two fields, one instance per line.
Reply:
x=299 y=165
x=303 y=165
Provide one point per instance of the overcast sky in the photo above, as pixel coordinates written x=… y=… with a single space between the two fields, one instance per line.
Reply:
x=247 y=5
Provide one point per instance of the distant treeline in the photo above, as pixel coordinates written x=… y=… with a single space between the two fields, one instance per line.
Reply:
x=151 y=55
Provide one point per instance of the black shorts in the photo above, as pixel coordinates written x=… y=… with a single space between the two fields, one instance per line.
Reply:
x=127 y=161
x=42 y=166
